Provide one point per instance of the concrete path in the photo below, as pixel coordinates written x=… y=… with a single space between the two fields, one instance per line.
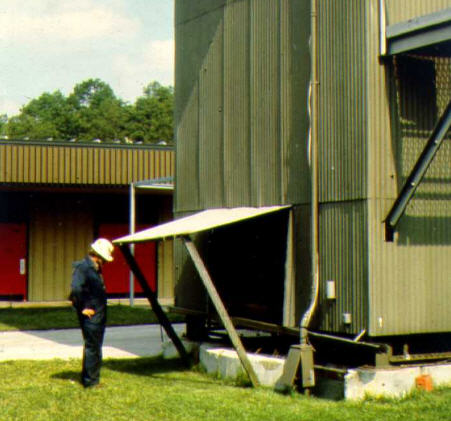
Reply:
x=120 y=342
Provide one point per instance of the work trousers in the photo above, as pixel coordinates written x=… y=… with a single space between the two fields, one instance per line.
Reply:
x=93 y=332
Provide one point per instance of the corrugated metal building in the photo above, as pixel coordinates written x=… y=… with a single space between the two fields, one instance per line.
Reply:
x=243 y=77
x=56 y=197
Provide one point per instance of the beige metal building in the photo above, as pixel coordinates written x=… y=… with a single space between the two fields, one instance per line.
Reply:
x=333 y=108
x=55 y=198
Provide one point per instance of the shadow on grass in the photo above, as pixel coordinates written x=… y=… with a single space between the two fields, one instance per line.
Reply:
x=149 y=366
x=69 y=375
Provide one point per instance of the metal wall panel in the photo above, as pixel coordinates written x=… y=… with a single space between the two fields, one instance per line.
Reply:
x=237 y=152
x=403 y=10
x=251 y=140
x=342 y=98
x=408 y=278
x=31 y=162
x=343 y=259
x=60 y=233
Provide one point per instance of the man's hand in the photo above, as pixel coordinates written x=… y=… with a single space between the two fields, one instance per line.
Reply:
x=88 y=312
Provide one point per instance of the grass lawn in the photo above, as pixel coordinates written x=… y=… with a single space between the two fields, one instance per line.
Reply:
x=38 y=318
x=156 y=389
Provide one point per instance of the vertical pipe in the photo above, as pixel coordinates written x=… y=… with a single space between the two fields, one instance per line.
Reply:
x=132 y=231
x=382 y=28
x=313 y=146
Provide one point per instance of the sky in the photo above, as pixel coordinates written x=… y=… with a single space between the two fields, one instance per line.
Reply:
x=50 y=45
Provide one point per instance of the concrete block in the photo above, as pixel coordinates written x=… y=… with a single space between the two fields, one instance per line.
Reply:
x=392 y=382
x=226 y=363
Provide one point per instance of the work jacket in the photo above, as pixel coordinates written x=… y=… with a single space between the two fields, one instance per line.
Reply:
x=88 y=289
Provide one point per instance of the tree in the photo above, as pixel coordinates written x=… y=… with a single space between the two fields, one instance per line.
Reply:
x=93 y=111
x=152 y=116
x=100 y=113
x=44 y=117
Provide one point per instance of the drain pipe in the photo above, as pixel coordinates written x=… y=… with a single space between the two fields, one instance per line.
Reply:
x=313 y=160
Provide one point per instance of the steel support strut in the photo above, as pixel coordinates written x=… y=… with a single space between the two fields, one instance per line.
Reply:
x=416 y=175
x=151 y=296
x=222 y=312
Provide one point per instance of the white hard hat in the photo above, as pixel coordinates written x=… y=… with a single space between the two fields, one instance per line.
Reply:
x=103 y=248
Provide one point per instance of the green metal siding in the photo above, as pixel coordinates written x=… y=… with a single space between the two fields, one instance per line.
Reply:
x=343 y=259
x=342 y=99
x=241 y=117
x=408 y=278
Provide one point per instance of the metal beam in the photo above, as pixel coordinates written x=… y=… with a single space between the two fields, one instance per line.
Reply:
x=416 y=175
x=161 y=315
x=419 y=33
x=222 y=312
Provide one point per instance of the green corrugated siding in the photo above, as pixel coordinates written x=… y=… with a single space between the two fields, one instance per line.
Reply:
x=342 y=99
x=22 y=162
x=409 y=278
x=343 y=259
x=243 y=142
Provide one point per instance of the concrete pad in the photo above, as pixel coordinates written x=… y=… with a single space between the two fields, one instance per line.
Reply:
x=357 y=384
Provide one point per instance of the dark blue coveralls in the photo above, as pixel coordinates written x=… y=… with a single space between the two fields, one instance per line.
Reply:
x=88 y=291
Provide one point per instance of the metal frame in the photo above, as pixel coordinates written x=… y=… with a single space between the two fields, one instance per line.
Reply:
x=416 y=175
x=418 y=33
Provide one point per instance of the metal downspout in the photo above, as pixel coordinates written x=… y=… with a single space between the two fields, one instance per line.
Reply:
x=313 y=150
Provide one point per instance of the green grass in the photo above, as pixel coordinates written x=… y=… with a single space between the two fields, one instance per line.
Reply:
x=155 y=389
x=65 y=317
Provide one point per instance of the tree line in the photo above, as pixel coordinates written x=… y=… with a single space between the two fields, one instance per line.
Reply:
x=92 y=112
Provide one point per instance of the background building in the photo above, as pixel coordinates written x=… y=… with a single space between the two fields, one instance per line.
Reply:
x=55 y=198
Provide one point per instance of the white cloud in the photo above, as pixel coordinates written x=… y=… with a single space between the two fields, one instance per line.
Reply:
x=134 y=72
x=67 y=20
x=9 y=107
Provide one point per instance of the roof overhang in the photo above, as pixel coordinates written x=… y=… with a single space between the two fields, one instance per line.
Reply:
x=198 y=222
x=428 y=34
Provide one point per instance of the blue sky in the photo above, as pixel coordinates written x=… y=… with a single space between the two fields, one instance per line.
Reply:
x=49 y=45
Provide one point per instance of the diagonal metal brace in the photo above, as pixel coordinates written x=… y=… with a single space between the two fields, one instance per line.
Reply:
x=222 y=312
x=416 y=175
x=151 y=296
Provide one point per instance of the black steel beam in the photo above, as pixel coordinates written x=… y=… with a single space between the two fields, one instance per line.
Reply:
x=151 y=296
x=416 y=175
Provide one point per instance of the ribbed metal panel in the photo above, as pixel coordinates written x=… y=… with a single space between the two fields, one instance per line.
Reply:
x=22 y=162
x=343 y=259
x=342 y=99
x=60 y=233
x=211 y=161
x=403 y=10
x=250 y=142
x=408 y=278
x=236 y=104
x=265 y=137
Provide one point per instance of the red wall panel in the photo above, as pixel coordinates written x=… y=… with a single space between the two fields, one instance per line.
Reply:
x=13 y=249
x=117 y=273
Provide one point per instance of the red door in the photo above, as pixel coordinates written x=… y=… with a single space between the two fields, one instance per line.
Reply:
x=13 y=251
x=117 y=273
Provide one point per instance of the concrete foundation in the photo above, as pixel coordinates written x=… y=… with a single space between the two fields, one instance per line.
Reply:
x=394 y=382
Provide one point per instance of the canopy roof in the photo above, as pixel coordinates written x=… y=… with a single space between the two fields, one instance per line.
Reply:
x=201 y=221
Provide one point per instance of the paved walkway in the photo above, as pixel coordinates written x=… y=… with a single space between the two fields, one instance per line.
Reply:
x=120 y=342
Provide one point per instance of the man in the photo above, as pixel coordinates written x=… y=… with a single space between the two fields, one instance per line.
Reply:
x=88 y=296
